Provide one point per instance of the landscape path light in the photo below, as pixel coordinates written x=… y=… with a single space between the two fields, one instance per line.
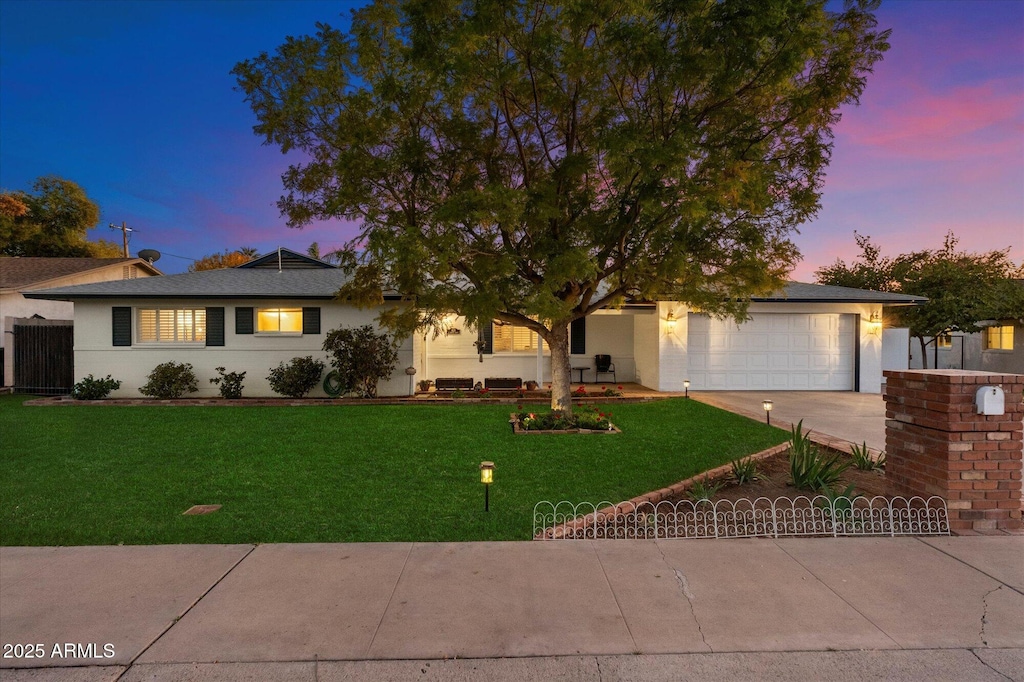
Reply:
x=487 y=477
x=686 y=388
x=767 y=405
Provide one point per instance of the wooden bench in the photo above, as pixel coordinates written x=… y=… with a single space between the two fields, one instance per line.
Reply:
x=453 y=384
x=503 y=383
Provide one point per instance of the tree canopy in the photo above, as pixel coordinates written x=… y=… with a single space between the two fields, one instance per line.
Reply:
x=532 y=162
x=962 y=288
x=228 y=259
x=52 y=220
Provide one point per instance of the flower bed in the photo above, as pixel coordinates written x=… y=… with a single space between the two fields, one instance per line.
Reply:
x=583 y=420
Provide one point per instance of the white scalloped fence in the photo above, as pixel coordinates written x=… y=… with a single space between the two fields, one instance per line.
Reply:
x=800 y=516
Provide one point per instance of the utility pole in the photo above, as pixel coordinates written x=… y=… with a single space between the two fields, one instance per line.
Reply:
x=124 y=234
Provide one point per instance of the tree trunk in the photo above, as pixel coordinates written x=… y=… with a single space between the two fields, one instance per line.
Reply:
x=561 y=378
x=924 y=352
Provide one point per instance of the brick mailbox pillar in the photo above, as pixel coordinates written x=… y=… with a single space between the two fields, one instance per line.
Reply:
x=937 y=444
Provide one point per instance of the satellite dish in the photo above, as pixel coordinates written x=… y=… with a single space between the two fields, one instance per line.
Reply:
x=151 y=255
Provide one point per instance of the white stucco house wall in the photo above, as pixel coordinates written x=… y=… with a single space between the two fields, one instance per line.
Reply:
x=250 y=318
x=20 y=274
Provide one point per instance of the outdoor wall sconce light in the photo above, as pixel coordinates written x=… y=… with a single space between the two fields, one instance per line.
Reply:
x=670 y=322
x=686 y=388
x=875 y=324
x=767 y=405
x=487 y=477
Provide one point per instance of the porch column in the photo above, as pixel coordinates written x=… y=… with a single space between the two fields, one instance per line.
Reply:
x=673 y=364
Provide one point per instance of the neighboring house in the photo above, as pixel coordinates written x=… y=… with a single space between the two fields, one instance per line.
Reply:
x=999 y=347
x=280 y=306
x=19 y=274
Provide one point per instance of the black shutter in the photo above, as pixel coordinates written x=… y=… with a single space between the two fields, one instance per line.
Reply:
x=243 y=320
x=214 y=326
x=310 y=320
x=122 y=325
x=485 y=339
x=578 y=337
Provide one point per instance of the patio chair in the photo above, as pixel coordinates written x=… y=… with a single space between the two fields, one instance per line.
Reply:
x=603 y=365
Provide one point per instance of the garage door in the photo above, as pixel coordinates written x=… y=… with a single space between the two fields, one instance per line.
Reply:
x=779 y=352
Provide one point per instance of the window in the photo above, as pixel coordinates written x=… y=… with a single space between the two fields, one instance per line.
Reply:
x=172 y=325
x=279 y=321
x=510 y=338
x=944 y=341
x=999 y=338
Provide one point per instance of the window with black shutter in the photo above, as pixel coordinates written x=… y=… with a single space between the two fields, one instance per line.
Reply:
x=485 y=339
x=243 y=320
x=578 y=337
x=310 y=320
x=214 y=326
x=121 y=318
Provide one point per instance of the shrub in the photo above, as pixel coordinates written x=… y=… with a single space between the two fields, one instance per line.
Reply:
x=297 y=378
x=361 y=357
x=230 y=383
x=809 y=469
x=91 y=388
x=745 y=470
x=862 y=458
x=170 y=380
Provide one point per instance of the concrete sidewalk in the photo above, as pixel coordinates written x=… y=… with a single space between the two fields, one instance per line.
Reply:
x=849 y=608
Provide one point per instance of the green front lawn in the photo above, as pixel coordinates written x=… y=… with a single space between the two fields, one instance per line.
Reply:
x=96 y=475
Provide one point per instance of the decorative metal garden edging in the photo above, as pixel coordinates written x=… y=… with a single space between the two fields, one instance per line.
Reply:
x=761 y=518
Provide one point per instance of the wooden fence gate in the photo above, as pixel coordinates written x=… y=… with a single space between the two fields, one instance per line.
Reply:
x=44 y=358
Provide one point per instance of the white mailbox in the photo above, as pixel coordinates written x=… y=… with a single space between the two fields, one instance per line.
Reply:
x=990 y=400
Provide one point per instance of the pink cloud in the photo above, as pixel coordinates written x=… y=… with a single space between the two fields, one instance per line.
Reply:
x=980 y=120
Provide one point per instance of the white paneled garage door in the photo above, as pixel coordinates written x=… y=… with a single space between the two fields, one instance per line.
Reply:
x=780 y=352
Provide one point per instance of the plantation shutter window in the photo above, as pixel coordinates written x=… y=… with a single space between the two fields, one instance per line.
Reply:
x=511 y=338
x=121 y=318
x=172 y=325
x=243 y=321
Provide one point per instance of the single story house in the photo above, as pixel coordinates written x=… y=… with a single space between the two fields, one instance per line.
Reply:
x=999 y=347
x=280 y=306
x=20 y=275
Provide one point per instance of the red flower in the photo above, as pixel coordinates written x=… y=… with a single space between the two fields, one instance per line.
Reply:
x=620 y=388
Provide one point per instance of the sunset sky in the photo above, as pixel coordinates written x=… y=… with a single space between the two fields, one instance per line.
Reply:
x=133 y=101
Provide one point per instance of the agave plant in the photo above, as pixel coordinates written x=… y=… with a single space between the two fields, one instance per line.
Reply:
x=809 y=469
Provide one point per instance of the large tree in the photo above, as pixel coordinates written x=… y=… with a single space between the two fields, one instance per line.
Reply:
x=533 y=161
x=52 y=220
x=963 y=288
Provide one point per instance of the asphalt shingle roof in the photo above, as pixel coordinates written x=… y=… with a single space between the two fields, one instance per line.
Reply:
x=226 y=283
x=25 y=271
x=801 y=292
x=324 y=283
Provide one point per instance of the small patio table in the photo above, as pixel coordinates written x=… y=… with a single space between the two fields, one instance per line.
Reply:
x=581 y=370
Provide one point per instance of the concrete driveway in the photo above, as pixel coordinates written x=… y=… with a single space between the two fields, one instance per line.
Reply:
x=855 y=417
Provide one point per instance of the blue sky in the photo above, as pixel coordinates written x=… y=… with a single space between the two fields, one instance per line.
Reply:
x=134 y=101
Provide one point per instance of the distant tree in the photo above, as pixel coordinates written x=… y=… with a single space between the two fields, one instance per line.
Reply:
x=218 y=261
x=52 y=220
x=962 y=288
x=249 y=252
x=328 y=257
x=532 y=161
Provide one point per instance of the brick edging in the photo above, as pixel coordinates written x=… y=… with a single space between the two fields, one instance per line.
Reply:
x=610 y=512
